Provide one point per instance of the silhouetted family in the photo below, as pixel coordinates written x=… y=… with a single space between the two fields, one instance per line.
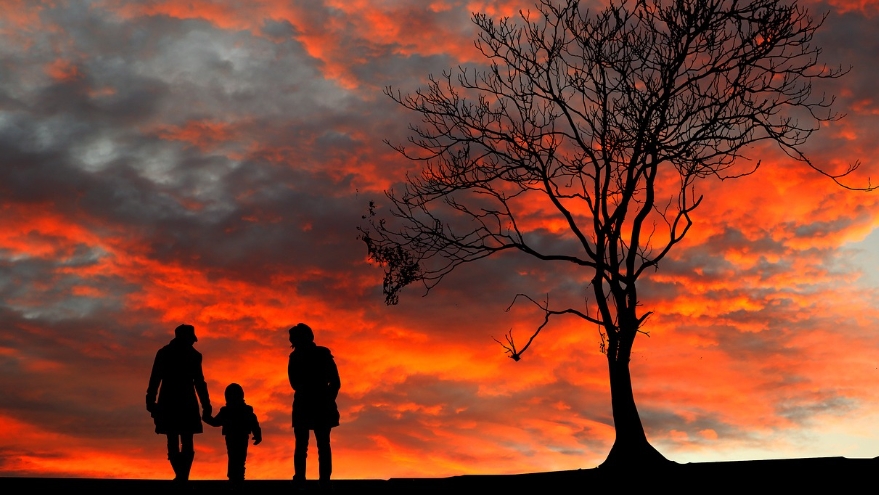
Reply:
x=177 y=385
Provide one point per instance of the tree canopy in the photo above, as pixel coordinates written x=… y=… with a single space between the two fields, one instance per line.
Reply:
x=607 y=119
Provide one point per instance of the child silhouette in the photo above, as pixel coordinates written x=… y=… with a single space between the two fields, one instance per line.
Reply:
x=238 y=422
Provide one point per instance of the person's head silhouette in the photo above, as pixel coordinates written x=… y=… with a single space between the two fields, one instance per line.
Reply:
x=301 y=334
x=234 y=394
x=185 y=333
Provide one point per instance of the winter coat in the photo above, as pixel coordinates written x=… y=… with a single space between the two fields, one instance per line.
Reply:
x=177 y=377
x=315 y=380
x=236 y=420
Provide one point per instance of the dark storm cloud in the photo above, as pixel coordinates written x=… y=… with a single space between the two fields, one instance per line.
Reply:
x=42 y=289
x=166 y=72
x=845 y=38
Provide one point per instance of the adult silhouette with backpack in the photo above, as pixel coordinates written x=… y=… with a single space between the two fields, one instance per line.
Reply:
x=315 y=380
x=177 y=377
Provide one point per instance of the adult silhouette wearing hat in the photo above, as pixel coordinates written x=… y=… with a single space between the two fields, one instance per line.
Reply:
x=315 y=380
x=177 y=377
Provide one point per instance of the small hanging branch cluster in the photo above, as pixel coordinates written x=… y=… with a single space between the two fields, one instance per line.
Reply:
x=406 y=268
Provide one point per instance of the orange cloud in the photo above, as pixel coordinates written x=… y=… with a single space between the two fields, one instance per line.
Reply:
x=205 y=135
x=63 y=70
x=868 y=8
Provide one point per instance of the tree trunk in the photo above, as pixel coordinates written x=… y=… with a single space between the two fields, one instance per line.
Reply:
x=630 y=446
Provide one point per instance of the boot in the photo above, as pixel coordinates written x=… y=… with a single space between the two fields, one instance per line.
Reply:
x=185 y=465
x=174 y=459
x=299 y=470
x=298 y=483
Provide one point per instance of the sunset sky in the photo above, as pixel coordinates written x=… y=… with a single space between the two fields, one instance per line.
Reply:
x=208 y=162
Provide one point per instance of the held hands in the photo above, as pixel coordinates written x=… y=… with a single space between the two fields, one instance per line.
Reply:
x=206 y=413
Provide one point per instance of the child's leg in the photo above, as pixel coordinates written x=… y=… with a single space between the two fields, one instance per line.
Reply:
x=236 y=451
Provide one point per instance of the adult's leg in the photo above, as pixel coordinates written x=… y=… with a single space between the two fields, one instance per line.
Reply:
x=187 y=454
x=174 y=453
x=324 y=454
x=173 y=443
x=186 y=443
x=300 y=453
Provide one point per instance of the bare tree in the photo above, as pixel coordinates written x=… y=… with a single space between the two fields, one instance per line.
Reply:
x=592 y=115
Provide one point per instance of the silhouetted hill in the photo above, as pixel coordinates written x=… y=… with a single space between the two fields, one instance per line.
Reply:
x=831 y=474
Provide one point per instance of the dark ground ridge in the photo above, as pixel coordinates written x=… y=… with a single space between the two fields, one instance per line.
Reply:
x=824 y=474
